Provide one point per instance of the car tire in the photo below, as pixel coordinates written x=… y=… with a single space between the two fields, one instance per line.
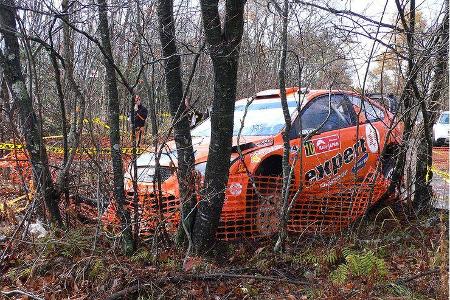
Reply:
x=267 y=218
x=436 y=143
x=263 y=210
x=263 y=207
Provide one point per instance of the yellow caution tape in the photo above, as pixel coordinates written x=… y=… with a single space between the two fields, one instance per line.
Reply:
x=12 y=203
x=11 y=146
x=60 y=150
x=98 y=121
x=444 y=175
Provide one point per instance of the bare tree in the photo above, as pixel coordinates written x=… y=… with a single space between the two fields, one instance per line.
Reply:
x=423 y=190
x=284 y=213
x=114 y=130
x=181 y=126
x=10 y=62
x=224 y=44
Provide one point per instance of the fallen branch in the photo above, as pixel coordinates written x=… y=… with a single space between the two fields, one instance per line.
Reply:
x=20 y=292
x=190 y=277
x=426 y=273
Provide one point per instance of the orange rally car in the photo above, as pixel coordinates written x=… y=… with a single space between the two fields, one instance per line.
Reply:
x=337 y=139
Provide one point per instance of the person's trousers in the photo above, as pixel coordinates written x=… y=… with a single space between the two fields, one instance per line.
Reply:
x=139 y=132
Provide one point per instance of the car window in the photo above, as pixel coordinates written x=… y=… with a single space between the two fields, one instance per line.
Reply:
x=444 y=119
x=371 y=112
x=263 y=117
x=325 y=113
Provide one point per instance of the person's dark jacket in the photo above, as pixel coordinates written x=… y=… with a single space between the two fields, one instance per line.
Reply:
x=140 y=116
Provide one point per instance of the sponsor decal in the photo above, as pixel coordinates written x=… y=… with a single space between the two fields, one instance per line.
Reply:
x=360 y=163
x=322 y=145
x=255 y=159
x=235 y=189
x=372 y=137
x=334 y=180
x=332 y=166
x=309 y=148
x=264 y=143
x=264 y=151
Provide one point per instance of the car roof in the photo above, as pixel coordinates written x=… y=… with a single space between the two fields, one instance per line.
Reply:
x=272 y=95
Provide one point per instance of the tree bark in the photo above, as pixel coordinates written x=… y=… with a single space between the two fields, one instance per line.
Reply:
x=114 y=131
x=149 y=87
x=424 y=161
x=79 y=107
x=10 y=61
x=284 y=213
x=407 y=95
x=182 y=134
x=224 y=51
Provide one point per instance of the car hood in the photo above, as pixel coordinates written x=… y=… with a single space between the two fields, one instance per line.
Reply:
x=201 y=149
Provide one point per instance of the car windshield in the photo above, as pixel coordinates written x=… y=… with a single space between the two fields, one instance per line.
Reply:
x=147 y=159
x=444 y=118
x=263 y=118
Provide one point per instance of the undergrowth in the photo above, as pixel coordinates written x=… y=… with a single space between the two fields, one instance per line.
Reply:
x=369 y=264
x=365 y=265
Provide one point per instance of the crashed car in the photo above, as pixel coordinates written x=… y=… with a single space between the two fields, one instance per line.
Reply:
x=337 y=137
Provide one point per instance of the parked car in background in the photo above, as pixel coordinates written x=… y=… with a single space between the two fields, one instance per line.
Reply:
x=441 y=130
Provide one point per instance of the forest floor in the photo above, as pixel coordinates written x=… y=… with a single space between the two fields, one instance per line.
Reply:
x=387 y=255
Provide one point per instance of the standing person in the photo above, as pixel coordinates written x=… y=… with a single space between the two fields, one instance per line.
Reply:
x=140 y=115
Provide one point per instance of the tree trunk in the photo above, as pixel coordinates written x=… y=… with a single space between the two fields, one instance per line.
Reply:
x=148 y=87
x=284 y=213
x=224 y=51
x=423 y=190
x=407 y=95
x=10 y=61
x=79 y=107
x=182 y=134
x=114 y=130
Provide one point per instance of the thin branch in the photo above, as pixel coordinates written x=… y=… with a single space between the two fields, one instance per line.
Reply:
x=349 y=13
x=21 y=292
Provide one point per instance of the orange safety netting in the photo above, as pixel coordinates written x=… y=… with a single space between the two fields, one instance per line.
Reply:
x=252 y=209
x=440 y=158
x=324 y=210
x=15 y=167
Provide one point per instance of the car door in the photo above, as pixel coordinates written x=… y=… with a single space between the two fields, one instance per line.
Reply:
x=326 y=128
x=371 y=131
